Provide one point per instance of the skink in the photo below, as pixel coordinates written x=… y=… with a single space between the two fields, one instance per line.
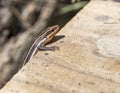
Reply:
x=45 y=37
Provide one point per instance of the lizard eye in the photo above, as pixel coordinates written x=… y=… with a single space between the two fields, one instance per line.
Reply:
x=49 y=32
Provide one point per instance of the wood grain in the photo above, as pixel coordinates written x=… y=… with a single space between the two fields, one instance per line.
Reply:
x=88 y=60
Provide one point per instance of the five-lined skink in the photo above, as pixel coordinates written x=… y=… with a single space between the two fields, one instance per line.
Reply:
x=45 y=37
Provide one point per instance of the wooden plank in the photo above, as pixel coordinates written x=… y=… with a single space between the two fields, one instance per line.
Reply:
x=88 y=60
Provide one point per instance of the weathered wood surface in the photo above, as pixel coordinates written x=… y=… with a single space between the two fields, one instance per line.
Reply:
x=88 y=60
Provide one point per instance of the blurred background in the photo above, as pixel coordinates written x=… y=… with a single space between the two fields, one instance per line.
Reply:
x=19 y=15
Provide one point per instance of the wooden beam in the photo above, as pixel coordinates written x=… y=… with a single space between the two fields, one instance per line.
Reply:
x=88 y=60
